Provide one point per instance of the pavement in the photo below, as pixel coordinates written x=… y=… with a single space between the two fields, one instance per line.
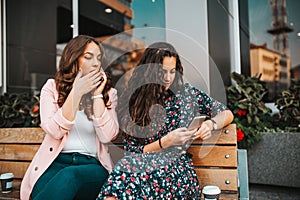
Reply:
x=267 y=192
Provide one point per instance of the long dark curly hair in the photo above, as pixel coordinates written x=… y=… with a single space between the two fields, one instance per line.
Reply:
x=68 y=69
x=145 y=87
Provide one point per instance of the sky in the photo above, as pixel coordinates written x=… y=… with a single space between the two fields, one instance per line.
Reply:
x=260 y=19
x=153 y=15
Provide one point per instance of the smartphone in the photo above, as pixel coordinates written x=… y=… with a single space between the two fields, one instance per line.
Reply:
x=196 y=122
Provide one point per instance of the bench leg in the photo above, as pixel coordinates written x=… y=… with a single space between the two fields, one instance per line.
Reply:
x=243 y=174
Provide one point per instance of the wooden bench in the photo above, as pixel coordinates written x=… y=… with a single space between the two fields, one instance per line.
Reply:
x=18 y=146
x=215 y=159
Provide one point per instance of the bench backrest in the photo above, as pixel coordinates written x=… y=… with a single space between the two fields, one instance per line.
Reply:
x=215 y=159
x=18 y=146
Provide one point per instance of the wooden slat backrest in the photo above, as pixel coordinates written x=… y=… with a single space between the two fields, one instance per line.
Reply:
x=18 y=146
x=215 y=160
x=21 y=135
x=214 y=156
x=218 y=177
x=17 y=168
x=225 y=136
x=19 y=152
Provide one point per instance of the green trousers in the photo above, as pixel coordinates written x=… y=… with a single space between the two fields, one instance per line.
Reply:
x=71 y=176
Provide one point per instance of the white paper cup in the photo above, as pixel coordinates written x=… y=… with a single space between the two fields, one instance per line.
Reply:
x=211 y=192
x=6 y=182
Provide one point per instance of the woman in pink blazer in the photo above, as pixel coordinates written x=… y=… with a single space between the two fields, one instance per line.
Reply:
x=79 y=118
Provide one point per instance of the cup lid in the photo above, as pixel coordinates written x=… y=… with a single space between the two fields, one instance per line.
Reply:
x=6 y=175
x=211 y=190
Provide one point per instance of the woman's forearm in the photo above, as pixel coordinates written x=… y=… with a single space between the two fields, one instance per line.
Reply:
x=223 y=118
x=98 y=107
x=157 y=146
x=71 y=105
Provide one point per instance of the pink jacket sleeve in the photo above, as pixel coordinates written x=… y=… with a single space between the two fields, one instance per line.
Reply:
x=53 y=121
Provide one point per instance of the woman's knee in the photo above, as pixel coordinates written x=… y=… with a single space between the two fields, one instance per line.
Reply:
x=85 y=174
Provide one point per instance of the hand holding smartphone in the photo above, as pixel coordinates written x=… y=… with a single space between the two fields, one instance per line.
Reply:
x=196 y=122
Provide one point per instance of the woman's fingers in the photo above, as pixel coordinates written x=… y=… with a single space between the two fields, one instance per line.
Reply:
x=205 y=136
x=88 y=82
x=94 y=76
x=202 y=134
x=186 y=135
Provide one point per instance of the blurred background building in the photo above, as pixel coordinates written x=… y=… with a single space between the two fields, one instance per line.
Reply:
x=33 y=35
x=212 y=36
x=273 y=66
x=275 y=31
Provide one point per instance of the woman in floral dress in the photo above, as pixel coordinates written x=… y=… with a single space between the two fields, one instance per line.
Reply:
x=154 y=112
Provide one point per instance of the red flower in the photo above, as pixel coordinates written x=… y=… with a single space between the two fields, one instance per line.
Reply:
x=240 y=134
x=241 y=112
x=35 y=109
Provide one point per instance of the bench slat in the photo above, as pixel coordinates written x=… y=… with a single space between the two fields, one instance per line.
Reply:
x=218 y=177
x=22 y=135
x=225 y=136
x=18 y=151
x=220 y=156
x=18 y=168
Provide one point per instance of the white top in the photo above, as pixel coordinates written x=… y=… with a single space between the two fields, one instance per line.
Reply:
x=82 y=137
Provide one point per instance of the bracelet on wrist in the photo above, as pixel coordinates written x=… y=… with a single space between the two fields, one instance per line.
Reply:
x=97 y=96
x=215 y=126
x=159 y=142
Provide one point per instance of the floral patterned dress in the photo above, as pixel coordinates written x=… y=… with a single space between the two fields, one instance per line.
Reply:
x=168 y=174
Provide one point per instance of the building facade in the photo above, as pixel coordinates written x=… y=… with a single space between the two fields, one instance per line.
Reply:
x=273 y=67
x=30 y=54
x=33 y=34
x=295 y=72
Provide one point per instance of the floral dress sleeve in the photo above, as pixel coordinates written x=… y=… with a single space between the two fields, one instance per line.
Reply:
x=131 y=144
x=207 y=105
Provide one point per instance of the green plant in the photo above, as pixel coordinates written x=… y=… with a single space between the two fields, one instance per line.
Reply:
x=19 y=110
x=245 y=100
x=288 y=104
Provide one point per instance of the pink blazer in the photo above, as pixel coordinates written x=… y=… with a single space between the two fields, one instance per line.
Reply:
x=57 y=130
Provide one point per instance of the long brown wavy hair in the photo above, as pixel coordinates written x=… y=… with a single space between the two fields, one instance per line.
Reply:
x=145 y=87
x=68 y=69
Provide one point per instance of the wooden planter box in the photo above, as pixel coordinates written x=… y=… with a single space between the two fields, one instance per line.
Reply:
x=275 y=160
